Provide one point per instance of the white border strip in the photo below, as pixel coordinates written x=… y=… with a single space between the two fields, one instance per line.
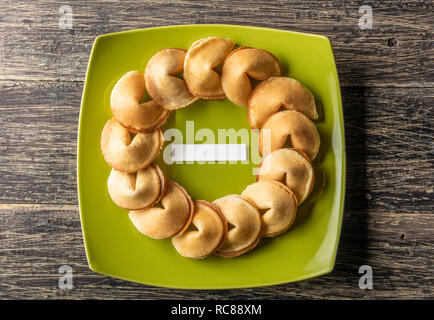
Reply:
x=208 y=152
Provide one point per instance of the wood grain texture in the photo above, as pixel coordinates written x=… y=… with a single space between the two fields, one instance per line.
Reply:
x=390 y=166
x=38 y=141
x=37 y=239
x=397 y=51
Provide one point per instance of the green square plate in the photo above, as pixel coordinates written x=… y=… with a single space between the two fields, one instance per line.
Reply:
x=112 y=244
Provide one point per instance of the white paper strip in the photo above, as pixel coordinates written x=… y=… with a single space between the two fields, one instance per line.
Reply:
x=208 y=152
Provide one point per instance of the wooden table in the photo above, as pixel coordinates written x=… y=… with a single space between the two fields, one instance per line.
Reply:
x=387 y=79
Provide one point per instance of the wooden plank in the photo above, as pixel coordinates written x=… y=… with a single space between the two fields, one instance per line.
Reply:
x=390 y=166
x=397 y=51
x=38 y=141
x=389 y=149
x=37 y=239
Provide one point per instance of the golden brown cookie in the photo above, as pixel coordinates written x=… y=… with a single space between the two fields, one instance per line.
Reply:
x=244 y=64
x=293 y=125
x=279 y=92
x=278 y=202
x=137 y=190
x=174 y=216
x=246 y=221
x=201 y=59
x=126 y=154
x=291 y=167
x=126 y=107
x=162 y=83
x=211 y=232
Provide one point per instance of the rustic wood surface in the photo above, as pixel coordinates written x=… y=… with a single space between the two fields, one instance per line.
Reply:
x=387 y=78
